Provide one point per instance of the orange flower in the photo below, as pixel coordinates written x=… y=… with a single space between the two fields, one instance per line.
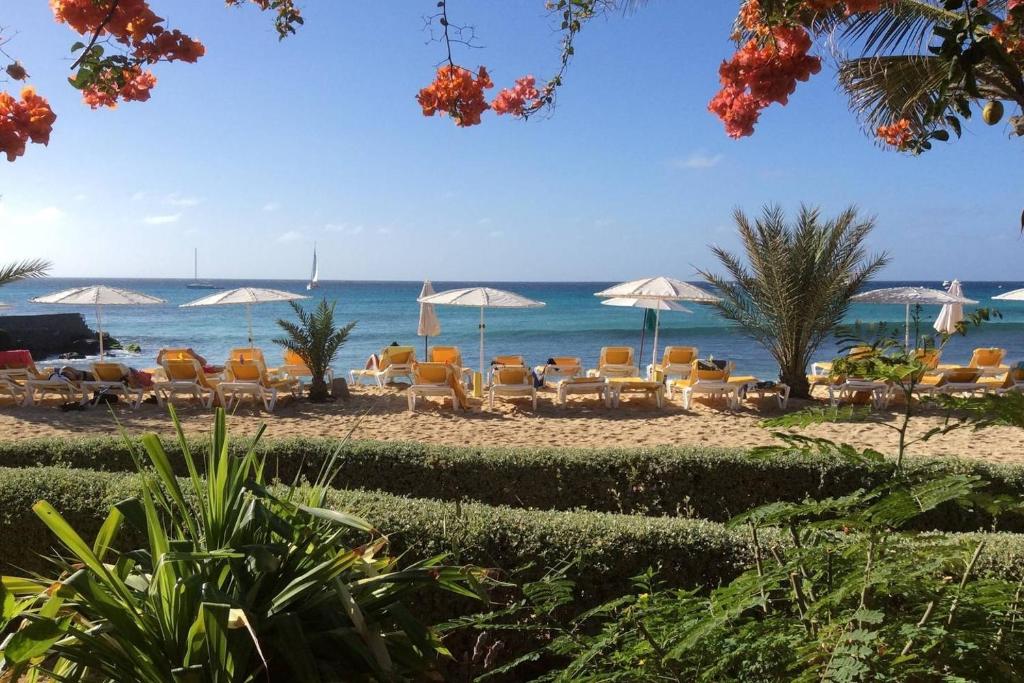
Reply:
x=457 y=93
x=24 y=120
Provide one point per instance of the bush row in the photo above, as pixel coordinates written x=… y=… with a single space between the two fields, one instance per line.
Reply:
x=610 y=548
x=707 y=483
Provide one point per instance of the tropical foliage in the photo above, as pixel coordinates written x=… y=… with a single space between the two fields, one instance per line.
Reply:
x=796 y=284
x=219 y=577
x=316 y=340
x=23 y=270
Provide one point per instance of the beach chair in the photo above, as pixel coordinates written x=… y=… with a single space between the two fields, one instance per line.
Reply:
x=296 y=368
x=857 y=390
x=111 y=378
x=17 y=365
x=513 y=381
x=561 y=368
x=747 y=385
x=616 y=361
x=511 y=360
x=617 y=386
x=395 y=361
x=820 y=370
x=962 y=381
x=453 y=356
x=583 y=385
x=247 y=354
x=434 y=379
x=674 y=363
x=185 y=376
x=251 y=378
x=1014 y=380
x=12 y=390
x=709 y=379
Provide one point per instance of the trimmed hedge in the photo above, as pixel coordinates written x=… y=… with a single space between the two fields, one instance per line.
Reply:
x=709 y=483
x=612 y=548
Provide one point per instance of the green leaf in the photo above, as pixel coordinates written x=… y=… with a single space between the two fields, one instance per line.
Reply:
x=35 y=640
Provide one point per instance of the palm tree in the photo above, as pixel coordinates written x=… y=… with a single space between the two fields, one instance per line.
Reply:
x=798 y=284
x=315 y=340
x=23 y=270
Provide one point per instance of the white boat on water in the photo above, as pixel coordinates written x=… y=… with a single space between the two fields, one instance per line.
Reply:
x=196 y=284
x=314 y=278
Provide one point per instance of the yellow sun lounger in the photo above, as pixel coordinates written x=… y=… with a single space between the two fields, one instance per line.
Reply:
x=512 y=381
x=185 y=376
x=583 y=385
x=12 y=390
x=674 y=363
x=451 y=355
x=617 y=386
x=251 y=378
x=436 y=379
x=616 y=361
x=395 y=361
x=563 y=367
x=296 y=368
x=111 y=378
x=708 y=381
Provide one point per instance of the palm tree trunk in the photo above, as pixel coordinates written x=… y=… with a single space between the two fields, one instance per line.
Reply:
x=318 y=389
x=796 y=378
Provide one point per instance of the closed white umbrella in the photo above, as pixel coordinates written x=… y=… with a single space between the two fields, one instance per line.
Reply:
x=1015 y=295
x=247 y=296
x=910 y=296
x=659 y=288
x=429 y=325
x=98 y=296
x=482 y=297
x=951 y=315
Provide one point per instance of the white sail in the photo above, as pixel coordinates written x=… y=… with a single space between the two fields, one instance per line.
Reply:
x=314 y=278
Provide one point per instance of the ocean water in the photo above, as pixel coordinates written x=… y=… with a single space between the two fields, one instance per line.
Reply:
x=572 y=323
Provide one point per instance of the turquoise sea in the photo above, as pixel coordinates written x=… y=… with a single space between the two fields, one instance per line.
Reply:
x=572 y=323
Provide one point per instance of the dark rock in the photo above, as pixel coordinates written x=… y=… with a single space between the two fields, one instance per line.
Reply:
x=51 y=335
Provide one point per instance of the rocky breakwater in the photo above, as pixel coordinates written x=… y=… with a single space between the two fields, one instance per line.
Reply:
x=52 y=335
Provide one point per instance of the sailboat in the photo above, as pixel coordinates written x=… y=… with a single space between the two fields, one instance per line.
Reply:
x=314 y=277
x=196 y=284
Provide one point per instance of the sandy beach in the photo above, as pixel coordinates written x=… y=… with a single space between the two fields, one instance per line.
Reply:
x=381 y=414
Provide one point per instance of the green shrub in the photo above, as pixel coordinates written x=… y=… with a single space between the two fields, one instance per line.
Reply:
x=612 y=548
x=709 y=483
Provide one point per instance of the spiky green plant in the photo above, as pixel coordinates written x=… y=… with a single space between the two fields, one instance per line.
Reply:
x=23 y=270
x=798 y=282
x=316 y=340
x=233 y=580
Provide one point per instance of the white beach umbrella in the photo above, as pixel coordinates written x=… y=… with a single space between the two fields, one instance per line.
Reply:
x=429 y=325
x=3 y=305
x=649 y=305
x=482 y=297
x=910 y=296
x=659 y=289
x=1015 y=295
x=246 y=296
x=98 y=296
x=951 y=315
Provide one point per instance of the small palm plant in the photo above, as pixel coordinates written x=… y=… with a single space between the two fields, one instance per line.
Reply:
x=23 y=270
x=219 y=577
x=316 y=340
x=798 y=284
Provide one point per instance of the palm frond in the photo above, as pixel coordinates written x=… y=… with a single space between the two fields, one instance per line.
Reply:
x=23 y=270
x=899 y=27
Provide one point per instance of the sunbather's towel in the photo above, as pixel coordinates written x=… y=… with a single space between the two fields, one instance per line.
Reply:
x=712 y=365
x=17 y=358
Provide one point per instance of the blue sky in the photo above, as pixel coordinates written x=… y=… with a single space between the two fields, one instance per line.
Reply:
x=263 y=147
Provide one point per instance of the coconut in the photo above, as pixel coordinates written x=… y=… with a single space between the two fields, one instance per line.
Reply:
x=992 y=112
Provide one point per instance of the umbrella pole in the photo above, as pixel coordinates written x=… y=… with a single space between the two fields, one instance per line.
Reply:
x=426 y=347
x=481 y=346
x=643 y=334
x=99 y=326
x=654 y=349
x=248 y=315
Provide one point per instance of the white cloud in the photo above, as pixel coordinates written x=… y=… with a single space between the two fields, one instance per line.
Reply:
x=344 y=228
x=271 y=206
x=289 y=236
x=44 y=216
x=81 y=196
x=484 y=221
x=176 y=199
x=699 y=159
x=162 y=220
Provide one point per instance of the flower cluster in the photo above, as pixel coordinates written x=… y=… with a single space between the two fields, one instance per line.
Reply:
x=759 y=75
x=852 y=6
x=134 y=24
x=457 y=93
x=27 y=119
x=131 y=85
x=517 y=99
x=897 y=134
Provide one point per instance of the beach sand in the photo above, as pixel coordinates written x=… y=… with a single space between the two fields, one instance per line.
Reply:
x=381 y=414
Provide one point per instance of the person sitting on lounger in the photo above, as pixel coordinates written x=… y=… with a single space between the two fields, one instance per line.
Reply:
x=191 y=353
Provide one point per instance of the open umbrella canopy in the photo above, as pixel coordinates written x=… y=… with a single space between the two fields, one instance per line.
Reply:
x=247 y=296
x=481 y=297
x=1015 y=295
x=486 y=297
x=910 y=296
x=98 y=296
x=659 y=288
x=652 y=304
x=429 y=325
x=951 y=315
